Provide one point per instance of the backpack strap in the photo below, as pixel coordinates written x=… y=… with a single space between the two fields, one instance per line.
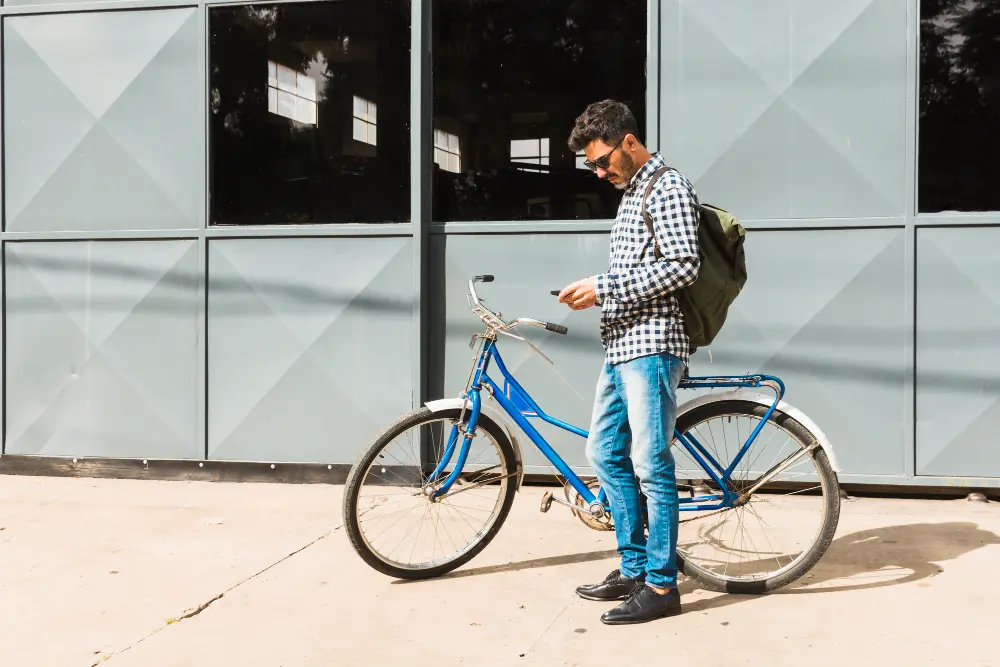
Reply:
x=646 y=217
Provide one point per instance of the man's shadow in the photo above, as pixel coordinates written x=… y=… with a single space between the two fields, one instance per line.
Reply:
x=888 y=556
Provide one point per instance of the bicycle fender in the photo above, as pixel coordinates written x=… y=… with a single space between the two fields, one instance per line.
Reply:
x=493 y=413
x=767 y=401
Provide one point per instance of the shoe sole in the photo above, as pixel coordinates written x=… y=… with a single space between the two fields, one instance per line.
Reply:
x=667 y=614
x=599 y=599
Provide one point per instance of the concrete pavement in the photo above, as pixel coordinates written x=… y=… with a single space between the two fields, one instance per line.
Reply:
x=130 y=573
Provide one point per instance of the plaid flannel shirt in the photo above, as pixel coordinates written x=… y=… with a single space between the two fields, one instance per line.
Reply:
x=640 y=314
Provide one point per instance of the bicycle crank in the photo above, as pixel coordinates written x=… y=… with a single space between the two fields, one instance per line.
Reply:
x=594 y=517
x=548 y=499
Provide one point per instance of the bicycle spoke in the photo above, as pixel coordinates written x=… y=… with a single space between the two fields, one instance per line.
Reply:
x=409 y=529
x=762 y=535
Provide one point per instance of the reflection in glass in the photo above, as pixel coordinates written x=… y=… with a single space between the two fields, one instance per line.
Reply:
x=364 y=120
x=959 y=106
x=291 y=94
x=447 y=154
x=310 y=112
x=510 y=77
x=529 y=151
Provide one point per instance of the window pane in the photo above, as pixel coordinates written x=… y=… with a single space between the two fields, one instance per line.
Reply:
x=272 y=74
x=959 y=106
x=358 y=133
x=511 y=73
x=305 y=111
x=286 y=79
x=286 y=104
x=294 y=156
x=306 y=87
x=524 y=148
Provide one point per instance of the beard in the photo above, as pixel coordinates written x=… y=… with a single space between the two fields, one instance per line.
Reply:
x=627 y=166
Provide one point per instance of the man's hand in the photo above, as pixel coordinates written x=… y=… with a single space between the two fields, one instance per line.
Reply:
x=580 y=295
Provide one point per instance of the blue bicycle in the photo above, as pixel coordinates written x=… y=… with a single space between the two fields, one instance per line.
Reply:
x=759 y=494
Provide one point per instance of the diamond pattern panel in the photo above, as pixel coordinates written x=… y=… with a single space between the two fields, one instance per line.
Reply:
x=788 y=108
x=102 y=119
x=310 y=345
x=958 y=352
x=833 y=331
x=525 y=273
x=102 y=341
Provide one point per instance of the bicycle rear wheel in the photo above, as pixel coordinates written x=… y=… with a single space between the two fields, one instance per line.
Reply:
x=784 y=527
x=388 y=514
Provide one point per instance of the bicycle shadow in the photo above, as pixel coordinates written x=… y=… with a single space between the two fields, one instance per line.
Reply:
x=873 y=558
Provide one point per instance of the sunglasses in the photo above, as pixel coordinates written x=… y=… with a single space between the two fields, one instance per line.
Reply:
x=604 y=161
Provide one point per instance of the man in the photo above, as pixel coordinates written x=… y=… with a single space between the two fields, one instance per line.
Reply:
x=646 y=353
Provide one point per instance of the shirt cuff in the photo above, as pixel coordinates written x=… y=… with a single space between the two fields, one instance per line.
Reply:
x=602 y=287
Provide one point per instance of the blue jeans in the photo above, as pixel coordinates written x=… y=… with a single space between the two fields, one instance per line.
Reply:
x=629 y=448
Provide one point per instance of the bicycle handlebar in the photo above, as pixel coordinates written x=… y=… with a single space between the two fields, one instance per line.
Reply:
x=556 y=328
x=491 y=319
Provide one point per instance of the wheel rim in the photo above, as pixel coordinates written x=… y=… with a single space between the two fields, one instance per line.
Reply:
x=779 y=526
x=397 y=520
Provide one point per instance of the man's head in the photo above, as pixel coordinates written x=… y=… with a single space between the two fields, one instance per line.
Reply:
x=606 y=133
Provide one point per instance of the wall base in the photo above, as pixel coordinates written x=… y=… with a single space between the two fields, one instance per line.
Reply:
x=323 y=473
x=176 y=470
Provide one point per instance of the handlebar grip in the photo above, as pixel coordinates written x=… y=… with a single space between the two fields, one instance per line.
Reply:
x=484 y=279
x=556 y=328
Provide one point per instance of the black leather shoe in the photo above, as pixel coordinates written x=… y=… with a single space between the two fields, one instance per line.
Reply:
x=614 y=587
x=644 y=604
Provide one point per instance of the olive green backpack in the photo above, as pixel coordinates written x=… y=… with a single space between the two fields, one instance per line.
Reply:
x=705 y=303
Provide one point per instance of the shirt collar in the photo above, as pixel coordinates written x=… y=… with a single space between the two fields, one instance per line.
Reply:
x=647 y=170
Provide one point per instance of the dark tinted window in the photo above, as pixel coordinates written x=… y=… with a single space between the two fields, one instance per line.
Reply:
x=310 y=112
x=959 y=105
x=510 y=77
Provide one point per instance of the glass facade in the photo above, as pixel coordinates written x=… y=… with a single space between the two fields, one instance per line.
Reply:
x=510 y=77
x=310 y=113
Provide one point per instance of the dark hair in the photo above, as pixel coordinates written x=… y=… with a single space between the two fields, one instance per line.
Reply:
x=608 y=120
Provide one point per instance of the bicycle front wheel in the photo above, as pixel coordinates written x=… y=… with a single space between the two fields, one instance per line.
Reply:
x=389 y=516
x=782 y=528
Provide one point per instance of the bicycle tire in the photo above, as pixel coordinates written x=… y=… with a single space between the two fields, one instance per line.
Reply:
x=367 y=457
x=828 y=482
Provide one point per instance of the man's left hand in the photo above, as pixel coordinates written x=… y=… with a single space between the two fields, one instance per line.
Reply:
x=580 y=295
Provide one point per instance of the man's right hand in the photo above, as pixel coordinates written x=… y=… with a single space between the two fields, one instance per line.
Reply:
x=580 y=295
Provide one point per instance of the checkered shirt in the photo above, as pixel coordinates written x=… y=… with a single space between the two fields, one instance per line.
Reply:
x=640 y=314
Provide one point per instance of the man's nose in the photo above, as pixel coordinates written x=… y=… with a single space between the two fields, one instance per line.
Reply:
x=601 y=173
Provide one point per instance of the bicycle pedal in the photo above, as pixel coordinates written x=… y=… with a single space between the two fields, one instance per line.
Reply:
x=546 y=502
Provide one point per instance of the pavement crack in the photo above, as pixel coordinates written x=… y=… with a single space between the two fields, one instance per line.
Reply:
x=549 y=627
x=190 y=613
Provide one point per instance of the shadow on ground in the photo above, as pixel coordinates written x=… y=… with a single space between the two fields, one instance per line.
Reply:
x=874 y=558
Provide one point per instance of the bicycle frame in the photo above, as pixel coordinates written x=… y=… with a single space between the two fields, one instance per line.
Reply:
x=519 y=405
